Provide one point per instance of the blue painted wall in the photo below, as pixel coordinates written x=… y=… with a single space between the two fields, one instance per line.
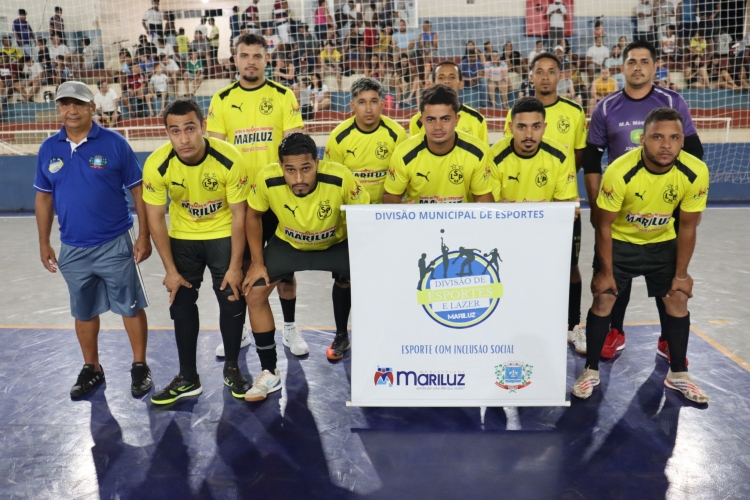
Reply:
x=17 y=177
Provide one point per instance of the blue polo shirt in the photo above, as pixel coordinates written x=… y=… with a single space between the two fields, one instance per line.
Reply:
x=88 y=185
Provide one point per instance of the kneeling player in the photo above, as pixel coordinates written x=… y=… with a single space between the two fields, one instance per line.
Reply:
x=635 y=236
x=442 y=165
x=311 y=236
x=206 y=179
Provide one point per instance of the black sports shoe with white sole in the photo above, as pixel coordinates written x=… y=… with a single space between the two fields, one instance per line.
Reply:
x=87 y=380
x=140 y=376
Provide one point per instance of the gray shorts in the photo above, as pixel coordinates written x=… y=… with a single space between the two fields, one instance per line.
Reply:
x=103 y=278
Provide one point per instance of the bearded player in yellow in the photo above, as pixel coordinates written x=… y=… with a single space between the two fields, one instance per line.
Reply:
x=635 y=236
x=566 y=125
x=207 y=182
x=442 y=165
x=307 y=194
x=255 y=114
x=366 y=141
x=471 y=121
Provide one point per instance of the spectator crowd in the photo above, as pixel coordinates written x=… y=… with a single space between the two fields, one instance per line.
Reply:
x=370 y=38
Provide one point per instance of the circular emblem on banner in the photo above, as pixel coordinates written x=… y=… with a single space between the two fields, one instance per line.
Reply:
x=459 y=288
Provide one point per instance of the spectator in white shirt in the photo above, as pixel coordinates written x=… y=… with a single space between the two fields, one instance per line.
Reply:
x=88 y=54
x=668 y=43
x=170 y=67
x=30 y=80
x=152 y=21
x=58 y=49
x=645 y=23
x=556 y=13
x=107 y=104
x=538 y=49
x=595 y=56
x=162 y=49
x=159 y=85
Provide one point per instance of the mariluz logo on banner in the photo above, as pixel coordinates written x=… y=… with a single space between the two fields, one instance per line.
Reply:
x=459 y=288
x=420 y=379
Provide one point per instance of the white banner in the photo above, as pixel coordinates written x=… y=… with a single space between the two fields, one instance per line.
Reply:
x=487 y=329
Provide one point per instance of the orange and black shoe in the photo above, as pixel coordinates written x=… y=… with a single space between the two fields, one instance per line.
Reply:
x=339 y=345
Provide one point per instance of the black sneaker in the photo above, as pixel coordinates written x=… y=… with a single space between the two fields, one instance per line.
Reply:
x=140 y=376
x=87 y=380
x=338 y=346
x=236 y=382
x=178 y=388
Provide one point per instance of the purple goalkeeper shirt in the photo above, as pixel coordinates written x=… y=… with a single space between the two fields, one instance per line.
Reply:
x=617 y=122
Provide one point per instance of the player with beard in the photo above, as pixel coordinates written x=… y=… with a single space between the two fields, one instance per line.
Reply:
x=635 y=236
x=616 y=125
x=566 y=125
x=255 y=114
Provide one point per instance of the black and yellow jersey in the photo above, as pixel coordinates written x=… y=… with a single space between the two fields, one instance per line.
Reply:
x=470 y=121
x=645 y=201
x=450 y=178
x=546 y=176
x=199 y=193
x=566 y=124
x=315 y=221
x=254 y=120
x=366 y=154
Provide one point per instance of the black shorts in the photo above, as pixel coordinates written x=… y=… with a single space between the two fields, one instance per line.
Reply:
x=283 y=260
x=192 y=256
x=657 y=262
x=576 y=250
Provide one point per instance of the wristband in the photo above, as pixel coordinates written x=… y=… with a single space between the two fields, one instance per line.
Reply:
x=682 y=279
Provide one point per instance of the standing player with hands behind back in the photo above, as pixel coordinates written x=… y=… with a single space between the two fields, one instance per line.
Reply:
x=635 y=236
x=255 y=114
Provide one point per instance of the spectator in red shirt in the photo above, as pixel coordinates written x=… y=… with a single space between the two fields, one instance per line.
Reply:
x=281 y=16
x=370 y=35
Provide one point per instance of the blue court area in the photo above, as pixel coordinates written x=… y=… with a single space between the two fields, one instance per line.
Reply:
x=633 y=439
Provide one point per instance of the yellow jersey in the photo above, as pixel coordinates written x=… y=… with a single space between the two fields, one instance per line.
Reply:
x=645 y=201
x=200 y=193
x=603 y=89
x=454 y=177
x=315 y=221
x=470 y=121
x=366 y=154
x=546 y=176
x=254 y=120
x=566 y=124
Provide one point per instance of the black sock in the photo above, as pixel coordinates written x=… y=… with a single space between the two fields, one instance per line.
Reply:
x=342 y=304
x=574 y=305
x=662 y=314
x=621 y=305
x=186 y=335
x=287 y=309
x=231 y=320
x=265 y=346
x=596 y=332
x=677 y=332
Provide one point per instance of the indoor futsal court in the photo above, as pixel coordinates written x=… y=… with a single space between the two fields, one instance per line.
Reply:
x=632 y=439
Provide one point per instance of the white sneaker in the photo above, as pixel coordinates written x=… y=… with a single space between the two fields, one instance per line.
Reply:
x=585 y=384
x=682 y=382
x=265 y=384
x=579 y=339
x=294 y=341
x=245 y=341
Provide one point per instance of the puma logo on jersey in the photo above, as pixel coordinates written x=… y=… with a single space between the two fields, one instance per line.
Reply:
x=182 y=185
x=639 y=195
x=238 y=107
x=351 y=152
x=511 y=178
x=424 y=175
x=295 y=209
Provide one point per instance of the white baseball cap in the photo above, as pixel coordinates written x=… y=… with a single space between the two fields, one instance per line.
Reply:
x=75 y=90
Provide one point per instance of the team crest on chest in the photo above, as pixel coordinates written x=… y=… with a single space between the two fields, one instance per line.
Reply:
x=266 y=106
x=324 y=210
x=210 y=183
x=670 y=194
x=456 y=175
x=541 y=178
x=98 y=162
x=55 y=164
x=563 y=125
x=382 y=151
